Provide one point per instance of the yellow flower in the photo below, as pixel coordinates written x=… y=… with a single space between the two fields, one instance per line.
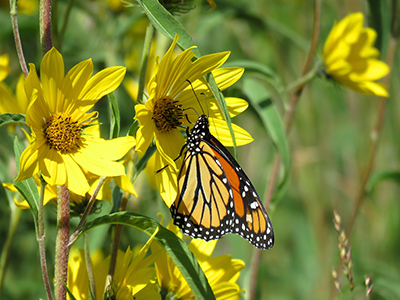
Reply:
x=352 y=60
x=4 y=66
x=222 y=271
x=134 y=278
x=212 y=3
x=171 y=97
x=58 y=116
x=10 y=103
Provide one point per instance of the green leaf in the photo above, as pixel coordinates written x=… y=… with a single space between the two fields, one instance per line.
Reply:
x=114 y=116
x=260 y=100
x=134 y=128
x=8 y=118
x=177 y=249
x=277 y=87
x=222 y=105
x=27 y=188
x=379 y=176
x=166 y=23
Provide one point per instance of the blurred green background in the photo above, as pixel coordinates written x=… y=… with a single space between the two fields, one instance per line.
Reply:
x=329 y=142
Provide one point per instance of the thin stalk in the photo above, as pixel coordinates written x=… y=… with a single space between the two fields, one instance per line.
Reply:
x=87 y=211
x=62 y=240
x=65 y=23
x=118 y=230
x=14 y=221
x=289 y=116
x=45 y=25
x=41 y=238
x=17 y=38
x=89 y=266
x=145 y=59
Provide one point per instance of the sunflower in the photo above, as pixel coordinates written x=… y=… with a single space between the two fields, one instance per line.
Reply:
x=352 y=60
x=176 y=89
x=134 y=277
x=221 y=271
x=58 y=116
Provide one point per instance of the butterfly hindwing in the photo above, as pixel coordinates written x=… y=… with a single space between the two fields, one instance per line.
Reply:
x=251 y=219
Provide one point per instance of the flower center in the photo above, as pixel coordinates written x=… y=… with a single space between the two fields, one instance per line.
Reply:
x=62 y=133
x=167 y=114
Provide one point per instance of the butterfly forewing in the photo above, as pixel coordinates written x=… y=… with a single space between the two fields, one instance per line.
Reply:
x=200 y=209
x=215 y=196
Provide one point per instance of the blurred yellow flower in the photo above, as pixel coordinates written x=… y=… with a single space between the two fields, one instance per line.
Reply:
x=352 y=60
x=134 y=278
x=58 y=116
x=171 y=97
x=10 y=103
x=4 y=66
x=222 y=271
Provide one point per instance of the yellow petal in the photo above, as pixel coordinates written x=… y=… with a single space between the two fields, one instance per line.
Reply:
x=28 y=163
x=4 y=66
x=220 y=130
x=55 y=166
x=32 y=83
x=77 y=181
x=202 y=249
x=169 y=145
x=74 y=82
x=125 y=184
x=101 y=84
x=51 y=77
x=96 y=165
x=8 y=103
x=165 y=180
x=113 y=149
x=22 y=100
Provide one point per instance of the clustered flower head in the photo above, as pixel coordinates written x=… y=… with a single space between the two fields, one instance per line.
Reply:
x=351 y=58
x=222 y=272
x=178 y=93
x=61 y=147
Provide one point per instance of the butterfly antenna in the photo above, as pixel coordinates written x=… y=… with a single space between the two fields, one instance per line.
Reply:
x=205 y=100
x=195 y=96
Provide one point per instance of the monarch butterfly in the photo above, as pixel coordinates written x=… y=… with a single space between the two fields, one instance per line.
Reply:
x=215 y=196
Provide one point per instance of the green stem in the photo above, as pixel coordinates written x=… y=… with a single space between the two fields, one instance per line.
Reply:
x=306 y=78
x=87 y=211
x=41 y=237
x=118 y=231
x=45 y=25
x=62 y=249
x=145 y=59
x=89 y=266
x=14 y=221
x=17 y=38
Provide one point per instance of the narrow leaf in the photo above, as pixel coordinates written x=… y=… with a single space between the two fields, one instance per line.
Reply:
x=27 y=188
x=380 y=176
x=114 y=117
x=260 y=100
x=141 y=164
x=177 y=249
x=166 y=23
